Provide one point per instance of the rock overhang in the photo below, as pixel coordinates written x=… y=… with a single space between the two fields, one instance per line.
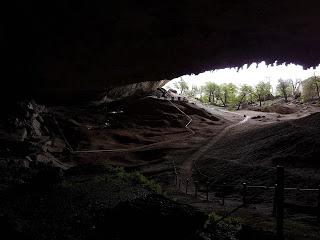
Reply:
x=71 y=51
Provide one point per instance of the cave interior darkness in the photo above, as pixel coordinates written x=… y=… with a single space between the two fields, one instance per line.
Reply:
x=63 y=52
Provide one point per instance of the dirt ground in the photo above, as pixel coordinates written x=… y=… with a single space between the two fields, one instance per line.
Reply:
x=160 y=139
x=229 y=147
x=234 y=147
x=149 y=135
x=248 y=150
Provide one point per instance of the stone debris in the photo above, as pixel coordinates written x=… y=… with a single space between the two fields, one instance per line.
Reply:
x=20 y=134
x=258 y=117
x=29 y=142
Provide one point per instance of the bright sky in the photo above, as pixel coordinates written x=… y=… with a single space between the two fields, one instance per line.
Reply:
x=250 y=74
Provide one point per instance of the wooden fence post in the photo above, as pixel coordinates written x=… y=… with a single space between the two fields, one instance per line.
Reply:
x=244 y=193
x=223 y=193
x=274 y=210
x=319 y=203
x=207 y=190
x=223 y=198
x=176 y=180
x=280 y=201
x=196 y=189
x=187 y=185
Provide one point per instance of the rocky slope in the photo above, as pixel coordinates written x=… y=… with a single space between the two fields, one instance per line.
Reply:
x=251 y=155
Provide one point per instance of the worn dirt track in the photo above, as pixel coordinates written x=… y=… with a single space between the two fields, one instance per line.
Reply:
x=187 y=167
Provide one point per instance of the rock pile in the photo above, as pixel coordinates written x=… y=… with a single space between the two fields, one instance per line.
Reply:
x=29 y=142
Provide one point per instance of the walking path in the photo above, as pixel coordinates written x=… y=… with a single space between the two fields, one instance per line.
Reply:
x=184 y=172
x=186 y=168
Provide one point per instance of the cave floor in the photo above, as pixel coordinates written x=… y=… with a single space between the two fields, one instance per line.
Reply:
x=150 y=136
x=300 y=220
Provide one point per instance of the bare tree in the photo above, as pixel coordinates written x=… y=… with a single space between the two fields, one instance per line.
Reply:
x=295 y=88
x=181 y=85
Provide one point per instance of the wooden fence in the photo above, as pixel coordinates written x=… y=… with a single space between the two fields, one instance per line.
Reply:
x=278 y=199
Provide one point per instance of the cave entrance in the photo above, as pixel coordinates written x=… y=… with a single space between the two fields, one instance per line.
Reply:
x=248 y=84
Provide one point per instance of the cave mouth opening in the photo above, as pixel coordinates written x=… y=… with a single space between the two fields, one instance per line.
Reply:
x=250 y=74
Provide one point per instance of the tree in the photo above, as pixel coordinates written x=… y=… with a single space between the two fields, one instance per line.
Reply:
x=284 y=88
x=245 y=95
x=316 y=82
x=296 y=88
x=193 y=92
x=181 y=85
x=211 y=89
x=201 y=91
x=311 y=88
x=262 y=91
x=227 y=93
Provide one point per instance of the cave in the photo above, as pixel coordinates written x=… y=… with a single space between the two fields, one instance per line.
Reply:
x=88 y=135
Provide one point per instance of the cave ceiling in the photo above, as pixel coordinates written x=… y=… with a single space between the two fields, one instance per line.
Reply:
x=80 y=49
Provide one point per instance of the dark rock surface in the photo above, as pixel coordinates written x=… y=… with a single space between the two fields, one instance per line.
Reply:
x=152 y=217
x=95 y=203
x=72 y=51
x=30 y=145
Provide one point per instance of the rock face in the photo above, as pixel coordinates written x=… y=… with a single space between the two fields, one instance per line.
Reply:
x=134 y=88
x=67 y=51
x=29 y=144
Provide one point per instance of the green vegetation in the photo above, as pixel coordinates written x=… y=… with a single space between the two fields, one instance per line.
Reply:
x=284 y=89
x=232 y=97
x=138 y=178
x=263 y=92
x=311 y=89
x=246 y=95
x=211 y=91
x=226 y=229
x=118 y=176
x=229 y=95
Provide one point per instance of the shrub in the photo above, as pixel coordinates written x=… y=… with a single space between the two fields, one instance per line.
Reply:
x=227 y=229
x=138 y=178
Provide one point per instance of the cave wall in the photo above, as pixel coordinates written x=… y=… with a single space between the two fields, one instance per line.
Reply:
x=134 y=88
x=71 y=50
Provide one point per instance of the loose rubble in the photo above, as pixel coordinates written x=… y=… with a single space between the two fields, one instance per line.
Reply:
x=29 y=142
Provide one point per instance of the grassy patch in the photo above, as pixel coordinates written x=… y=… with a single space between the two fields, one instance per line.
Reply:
x=115 y=175
x=138 y=178
x=226 y=229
